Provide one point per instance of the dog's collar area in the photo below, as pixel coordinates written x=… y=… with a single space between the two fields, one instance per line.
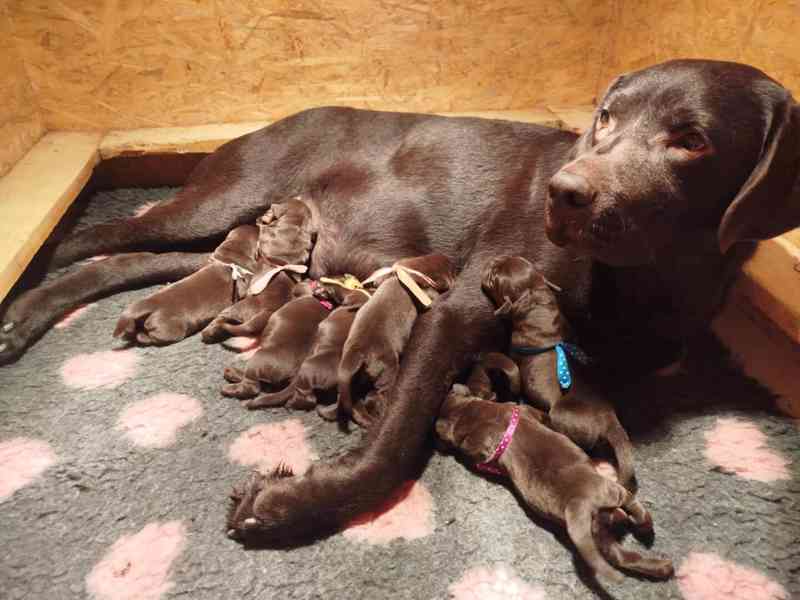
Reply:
x=404 y=274
x=489 y=466
x=327 y=304
x=260 y=282
x=348 y=282
x=562 y=350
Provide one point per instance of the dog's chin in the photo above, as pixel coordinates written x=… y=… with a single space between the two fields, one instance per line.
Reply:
x=623 y=250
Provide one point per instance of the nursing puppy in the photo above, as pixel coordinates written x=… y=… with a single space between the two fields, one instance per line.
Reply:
x=285 y=343
x=523 y=296
x=285 y=238
x=318 y=373
x=371 y=355
x=553 y=476
x=183 y=308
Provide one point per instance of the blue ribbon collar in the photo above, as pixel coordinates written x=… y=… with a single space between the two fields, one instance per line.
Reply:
x=562 y=350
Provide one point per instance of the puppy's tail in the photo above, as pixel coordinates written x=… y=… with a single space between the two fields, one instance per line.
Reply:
x=500 y=363
x=623 y=451
x=580 y=516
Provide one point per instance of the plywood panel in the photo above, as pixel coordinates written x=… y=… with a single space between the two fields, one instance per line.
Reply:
x=763 y=33
x=20 y=122
x=148 y=63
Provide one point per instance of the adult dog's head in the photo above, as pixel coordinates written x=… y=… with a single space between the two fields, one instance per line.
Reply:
x=676 y=149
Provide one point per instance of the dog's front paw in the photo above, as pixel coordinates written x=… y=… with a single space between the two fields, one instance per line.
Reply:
x=243 y=522
x=25 y=321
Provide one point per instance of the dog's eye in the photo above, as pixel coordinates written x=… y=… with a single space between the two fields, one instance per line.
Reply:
x=604 y=118
x=691 y=142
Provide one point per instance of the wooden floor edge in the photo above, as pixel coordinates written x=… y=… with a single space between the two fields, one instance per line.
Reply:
x=36 y=193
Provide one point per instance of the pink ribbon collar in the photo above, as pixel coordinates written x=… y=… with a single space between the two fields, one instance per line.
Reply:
x=488 y=466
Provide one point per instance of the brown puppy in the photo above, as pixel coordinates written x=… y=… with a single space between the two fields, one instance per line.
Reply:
x=319 y=370
x=379 y=335
x=183 y=308
x=524 y=297
x=285 y=343
x=553 y=476
x=285 y=238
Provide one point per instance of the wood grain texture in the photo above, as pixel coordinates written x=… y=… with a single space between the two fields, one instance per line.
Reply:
x=21 y=124
x=763 y=33
x=36 y=193
x=146 y=63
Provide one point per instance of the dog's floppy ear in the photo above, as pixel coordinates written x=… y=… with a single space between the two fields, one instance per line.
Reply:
x=769 y=202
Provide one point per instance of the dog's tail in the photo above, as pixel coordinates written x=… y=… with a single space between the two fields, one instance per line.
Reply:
x=623 y=451
x=581 y=516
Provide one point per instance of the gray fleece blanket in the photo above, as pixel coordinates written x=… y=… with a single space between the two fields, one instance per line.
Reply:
x=116 y=463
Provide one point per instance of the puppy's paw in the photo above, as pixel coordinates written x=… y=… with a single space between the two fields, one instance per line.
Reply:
x=243 y=390
x=233 y=375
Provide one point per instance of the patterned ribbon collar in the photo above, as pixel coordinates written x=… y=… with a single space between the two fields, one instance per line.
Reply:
x=348 y=282
x=488 y=466
x=238 y=273
x=404 y=274
x=562 y=350
x=261 y=281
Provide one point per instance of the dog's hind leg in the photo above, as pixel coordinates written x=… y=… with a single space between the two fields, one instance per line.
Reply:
x=656 y=568
x=30 y=314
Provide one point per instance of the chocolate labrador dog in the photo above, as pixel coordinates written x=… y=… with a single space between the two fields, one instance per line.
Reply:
x=284 y=345
x=639 y=220
x=553 y=476
x=552 y=377
x=380 y=332
x=186 y=306
x=285 y=238
x=318 y=372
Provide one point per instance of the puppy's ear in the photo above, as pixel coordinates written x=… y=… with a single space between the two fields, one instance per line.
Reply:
x=769 y=202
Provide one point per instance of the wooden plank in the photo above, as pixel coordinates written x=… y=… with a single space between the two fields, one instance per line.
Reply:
x=207 y=138
x=36 y=193
x=770 y=281
x=762 y=349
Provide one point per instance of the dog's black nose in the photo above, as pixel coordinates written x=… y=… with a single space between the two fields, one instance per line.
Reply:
x=571 y=189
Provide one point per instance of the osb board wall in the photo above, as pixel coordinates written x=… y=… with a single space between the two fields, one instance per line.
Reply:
x=764 y=33
x=141 y=63
x=20 y=123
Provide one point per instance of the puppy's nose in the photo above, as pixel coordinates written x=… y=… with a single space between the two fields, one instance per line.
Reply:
x=571 y=189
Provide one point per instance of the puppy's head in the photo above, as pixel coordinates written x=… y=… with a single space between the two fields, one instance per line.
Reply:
x=516 y=287
x=684 y=149
x=286 y=232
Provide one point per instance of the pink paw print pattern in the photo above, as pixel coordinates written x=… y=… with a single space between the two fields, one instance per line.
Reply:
x=154 y=422
x=709 y=577
x=740 y=448
x=497 y=582
x=137 y=566
x=22 y=461
x=107 y=369
x=408 y=514
x=268 y=445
